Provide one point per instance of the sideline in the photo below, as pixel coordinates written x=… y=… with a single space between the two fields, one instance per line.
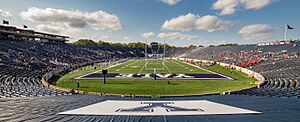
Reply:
x=80 y=77
x=208 y=70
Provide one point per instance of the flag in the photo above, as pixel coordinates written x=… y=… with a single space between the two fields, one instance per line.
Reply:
x=289 y=27
x=5 y=22
x=25 y=26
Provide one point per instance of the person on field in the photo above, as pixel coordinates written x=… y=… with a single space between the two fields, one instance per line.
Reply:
x=77 y=82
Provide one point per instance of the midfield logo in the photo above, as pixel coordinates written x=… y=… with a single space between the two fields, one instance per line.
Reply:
x=151 y=106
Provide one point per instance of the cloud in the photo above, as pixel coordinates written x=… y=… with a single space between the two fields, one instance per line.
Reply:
x=49 y=28
x=256 y=4
x=127 y=38
x=182 y=23
x=176 y=36
x=191 y=21
x=4 y=13
x=171 y=2
x=149 y=35
x=58 y=29
x=258 y=32
x=211 y=23
x=228 y=7
x=98 y=20
x=104 y=38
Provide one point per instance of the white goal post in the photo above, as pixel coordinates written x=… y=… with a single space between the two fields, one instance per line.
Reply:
x=155 y=56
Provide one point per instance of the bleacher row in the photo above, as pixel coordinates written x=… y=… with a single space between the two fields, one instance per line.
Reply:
x=23 y=63
x=282 y=78
x=281 y=66
x=277 y=65
x=16 y=82
x=276 y=88
x=45 y=109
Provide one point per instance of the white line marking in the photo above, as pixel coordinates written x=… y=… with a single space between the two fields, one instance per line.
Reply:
x=141 y=69
x=168 y=69
x=208 y=70
x=80 y=77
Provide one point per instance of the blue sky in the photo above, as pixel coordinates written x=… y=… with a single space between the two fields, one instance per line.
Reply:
x=178 y=22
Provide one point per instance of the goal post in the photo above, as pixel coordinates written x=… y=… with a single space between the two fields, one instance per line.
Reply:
x=155 y=56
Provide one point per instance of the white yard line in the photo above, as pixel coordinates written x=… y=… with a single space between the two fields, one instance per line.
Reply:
x=168 y=68
x=153 y=68
x=80 y=77
x=115 y=65
x=208 y=70
x=132 y=63
x=141 y=69
x=125 y=66
x=179 y=64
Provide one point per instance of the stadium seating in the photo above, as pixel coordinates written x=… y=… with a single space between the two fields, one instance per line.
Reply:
x=279 y=64
x=46 y=109
x=15 y=82
x=23 y=63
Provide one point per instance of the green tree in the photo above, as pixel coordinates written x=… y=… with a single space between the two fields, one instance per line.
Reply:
x=103 y=43
x=192 y=46
x=85 y=42
x=118 y=44
x=233 y=44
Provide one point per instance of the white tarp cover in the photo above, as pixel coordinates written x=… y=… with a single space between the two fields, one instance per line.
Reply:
x=157 y=108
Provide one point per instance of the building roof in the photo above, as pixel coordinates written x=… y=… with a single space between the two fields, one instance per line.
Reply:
x=36 y=34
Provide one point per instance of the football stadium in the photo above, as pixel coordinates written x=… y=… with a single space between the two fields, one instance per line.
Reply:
x=190 y=61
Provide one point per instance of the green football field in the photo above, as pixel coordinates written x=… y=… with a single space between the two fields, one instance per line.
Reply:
x=167 y=66
x=161 y=87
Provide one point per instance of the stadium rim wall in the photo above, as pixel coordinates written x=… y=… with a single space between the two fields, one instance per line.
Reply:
x=45 y=82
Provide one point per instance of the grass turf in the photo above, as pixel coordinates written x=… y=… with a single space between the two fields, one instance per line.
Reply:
x=158 y=87
x=170 y=66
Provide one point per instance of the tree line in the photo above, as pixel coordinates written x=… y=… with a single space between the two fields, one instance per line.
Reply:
x=104 y=43
x=135 y=44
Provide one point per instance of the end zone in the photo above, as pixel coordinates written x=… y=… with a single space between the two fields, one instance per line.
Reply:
x=96 y=75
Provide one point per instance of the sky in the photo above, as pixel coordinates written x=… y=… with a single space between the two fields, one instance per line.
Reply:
x=177 y=22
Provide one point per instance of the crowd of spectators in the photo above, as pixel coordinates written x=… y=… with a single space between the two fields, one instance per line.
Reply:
x=279 y=64
x=245 y=55
x=48 y=57
x=23 y=63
